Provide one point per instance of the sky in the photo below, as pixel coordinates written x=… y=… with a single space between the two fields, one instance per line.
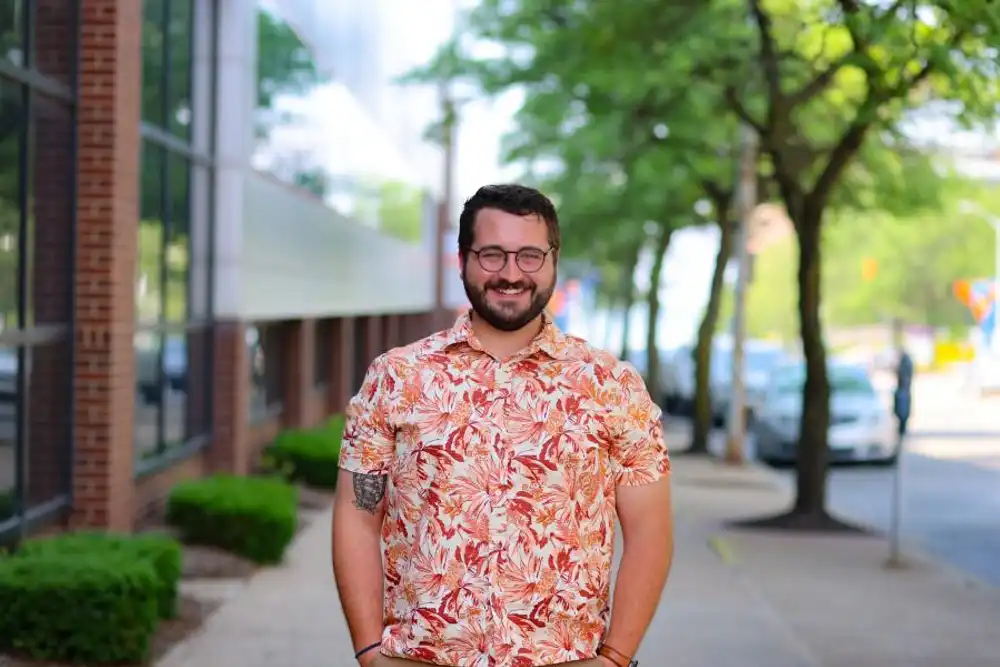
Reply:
x=363 y=121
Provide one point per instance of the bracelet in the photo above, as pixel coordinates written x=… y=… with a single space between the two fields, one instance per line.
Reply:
x=366 y=649
x=614 y=655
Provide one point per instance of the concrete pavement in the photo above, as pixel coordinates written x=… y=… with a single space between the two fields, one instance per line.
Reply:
x=736 y=597
x=950 y=472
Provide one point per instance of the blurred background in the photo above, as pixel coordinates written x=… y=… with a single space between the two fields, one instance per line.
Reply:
x=214 y=214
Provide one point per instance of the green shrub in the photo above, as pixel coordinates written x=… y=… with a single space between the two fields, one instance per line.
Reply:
x=161 y=551
x=92 y=608
x=310 y=456
x=252 y=517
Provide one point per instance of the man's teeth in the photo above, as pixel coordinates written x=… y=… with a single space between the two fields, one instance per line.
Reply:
x=515 y=290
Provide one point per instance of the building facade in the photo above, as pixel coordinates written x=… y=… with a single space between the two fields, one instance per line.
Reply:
x=182 y=274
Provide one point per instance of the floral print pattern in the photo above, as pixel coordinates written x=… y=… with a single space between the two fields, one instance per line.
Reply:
x=499 y=530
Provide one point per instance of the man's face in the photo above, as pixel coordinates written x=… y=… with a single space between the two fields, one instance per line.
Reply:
x=509 y=298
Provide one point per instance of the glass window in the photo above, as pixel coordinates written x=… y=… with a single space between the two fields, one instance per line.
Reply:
x=173 y=277
x=265 y=349
x=339 y=137
x=11 y=186
x=12 y=31
x=149 y=274
x=167 y=47
x=177 y=240
x=37 y=173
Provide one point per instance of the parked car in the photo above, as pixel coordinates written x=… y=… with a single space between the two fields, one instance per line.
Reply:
x=862 y=427
x=678 y=376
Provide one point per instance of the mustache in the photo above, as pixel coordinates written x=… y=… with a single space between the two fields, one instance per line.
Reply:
x=505 y=284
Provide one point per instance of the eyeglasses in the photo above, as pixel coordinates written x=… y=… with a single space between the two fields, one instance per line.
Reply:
x=494 y=259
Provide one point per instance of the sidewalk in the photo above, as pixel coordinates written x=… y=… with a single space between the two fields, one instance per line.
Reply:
x=735 y=598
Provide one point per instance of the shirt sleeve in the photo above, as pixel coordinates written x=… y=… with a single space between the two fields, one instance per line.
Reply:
x=638 y=451
x=368 y=445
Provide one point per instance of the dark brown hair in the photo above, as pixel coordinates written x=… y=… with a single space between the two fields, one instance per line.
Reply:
x=510 y=198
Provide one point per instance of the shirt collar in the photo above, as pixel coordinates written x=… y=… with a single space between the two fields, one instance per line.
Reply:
x=549 y=340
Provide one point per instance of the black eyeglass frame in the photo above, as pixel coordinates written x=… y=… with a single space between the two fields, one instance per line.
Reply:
x=507 y=254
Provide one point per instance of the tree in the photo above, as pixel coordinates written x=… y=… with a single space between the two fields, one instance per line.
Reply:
x=832 y=78
x=581 y=122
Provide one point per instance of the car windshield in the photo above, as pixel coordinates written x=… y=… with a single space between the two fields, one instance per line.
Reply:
x=843 y=381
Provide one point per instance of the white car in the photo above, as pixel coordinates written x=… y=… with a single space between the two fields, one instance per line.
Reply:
x=862 y=427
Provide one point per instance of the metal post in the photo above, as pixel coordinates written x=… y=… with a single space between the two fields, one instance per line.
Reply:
x=895 y=559
x=746 y=203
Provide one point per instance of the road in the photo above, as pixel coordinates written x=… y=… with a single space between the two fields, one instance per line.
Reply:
x=950 y=474
x=951 y=480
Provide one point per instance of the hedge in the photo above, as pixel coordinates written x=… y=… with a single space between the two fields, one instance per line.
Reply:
x=252 y=517
x=310 y=456
x=162 y=552
x=84 y=607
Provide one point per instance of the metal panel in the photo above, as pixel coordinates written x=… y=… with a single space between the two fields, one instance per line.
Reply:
x=301 y=258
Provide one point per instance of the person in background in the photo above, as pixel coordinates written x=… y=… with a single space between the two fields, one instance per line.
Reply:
x=903 y=395
x=484 y=468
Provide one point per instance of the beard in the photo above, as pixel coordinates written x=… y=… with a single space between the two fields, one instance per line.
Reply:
x=508 y=316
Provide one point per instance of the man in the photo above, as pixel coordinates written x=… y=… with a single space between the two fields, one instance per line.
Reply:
x=483 y=468
x=903 y=396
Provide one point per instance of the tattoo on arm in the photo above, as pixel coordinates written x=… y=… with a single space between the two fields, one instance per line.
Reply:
x=369 y=491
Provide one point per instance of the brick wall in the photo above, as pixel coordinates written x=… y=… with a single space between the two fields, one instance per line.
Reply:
x=107 y=211
x=106 y=492
x=48 y=399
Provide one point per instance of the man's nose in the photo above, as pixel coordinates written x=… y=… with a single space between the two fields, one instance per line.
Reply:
x=510 y=272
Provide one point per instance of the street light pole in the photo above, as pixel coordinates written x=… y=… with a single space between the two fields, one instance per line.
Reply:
x=746 y=199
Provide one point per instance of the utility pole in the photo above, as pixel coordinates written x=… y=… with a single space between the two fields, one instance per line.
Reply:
x=746 y=202
x=449 y=119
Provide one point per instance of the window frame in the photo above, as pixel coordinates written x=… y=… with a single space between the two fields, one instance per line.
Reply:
x=199 y=161
x=32 y=83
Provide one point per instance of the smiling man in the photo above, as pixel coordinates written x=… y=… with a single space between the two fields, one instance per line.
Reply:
x=483 y=469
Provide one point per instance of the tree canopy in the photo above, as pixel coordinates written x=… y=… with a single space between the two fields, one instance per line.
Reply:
x=632 y=111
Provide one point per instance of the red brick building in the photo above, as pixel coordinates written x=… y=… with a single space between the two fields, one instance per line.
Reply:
x=165 y=306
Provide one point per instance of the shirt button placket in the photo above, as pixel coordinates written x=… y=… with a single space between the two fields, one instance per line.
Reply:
x=501 y=383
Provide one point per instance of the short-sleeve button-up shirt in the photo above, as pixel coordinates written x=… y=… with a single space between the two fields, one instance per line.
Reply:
x=499 y=528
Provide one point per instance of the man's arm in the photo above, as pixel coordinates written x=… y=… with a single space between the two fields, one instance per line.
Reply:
x=366 y=454
x=648 y=545
x=357 y=555
x=641 y=468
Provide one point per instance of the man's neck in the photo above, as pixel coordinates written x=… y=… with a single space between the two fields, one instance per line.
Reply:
x=503 y=344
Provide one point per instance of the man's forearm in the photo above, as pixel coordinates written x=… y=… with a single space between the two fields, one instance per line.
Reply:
x=357 y=566
x=642 y=575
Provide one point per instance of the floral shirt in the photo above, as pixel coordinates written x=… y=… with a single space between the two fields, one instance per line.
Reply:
x=499 y=531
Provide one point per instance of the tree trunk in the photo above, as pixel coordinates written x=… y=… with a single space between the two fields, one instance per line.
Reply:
x=702 y=418
x=809 y=511
x=810 y=499
x=628 y=296
x=652 y=350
